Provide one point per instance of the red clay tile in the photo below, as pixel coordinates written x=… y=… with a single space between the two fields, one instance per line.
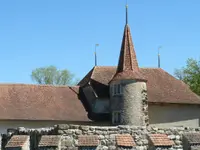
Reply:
x=41 y=102
x=160 y=140
x=128 y=65
x=192 y=138
x=49 y=140
x=161 y=86
x=88 y=140
x=17 y=141
x=125 y=140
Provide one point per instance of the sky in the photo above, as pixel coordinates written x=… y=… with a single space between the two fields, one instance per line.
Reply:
x=63 y=33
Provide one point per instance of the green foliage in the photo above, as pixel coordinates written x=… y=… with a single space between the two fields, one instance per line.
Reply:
x=190 y=74
x=51 y=75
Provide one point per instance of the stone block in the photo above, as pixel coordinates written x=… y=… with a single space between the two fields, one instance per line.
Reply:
x=61 y=132
x=63 y=126
x=78 y=132
x=67 y=143
x=74 y=126
x=84 y=128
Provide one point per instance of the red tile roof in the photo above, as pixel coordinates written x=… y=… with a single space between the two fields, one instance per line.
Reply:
x=49 y=140
x=136 y=75
x=161 y=86
x=17 y=141
x=125 y=140
x=40 y=102
x=192 y=138
x=127 y=66
x=88 y=140
x=160 y=140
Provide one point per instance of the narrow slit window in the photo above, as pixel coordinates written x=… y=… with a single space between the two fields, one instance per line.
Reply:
x=117 y=89
x=116 y=117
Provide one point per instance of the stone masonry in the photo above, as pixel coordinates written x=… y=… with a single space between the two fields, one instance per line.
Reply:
x=132 y=109
x=133 y=103
x=107 y=135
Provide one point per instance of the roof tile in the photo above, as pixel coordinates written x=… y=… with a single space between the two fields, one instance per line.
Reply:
x=88 y=140
x=49 y=140
x=125 y=140
x=161 y=86
x=192 y=138
x=127 y=66
x=160 y=140
x=17 y=141
x=41 y=102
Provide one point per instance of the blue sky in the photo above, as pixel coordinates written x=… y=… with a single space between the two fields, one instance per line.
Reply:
x=64 y=33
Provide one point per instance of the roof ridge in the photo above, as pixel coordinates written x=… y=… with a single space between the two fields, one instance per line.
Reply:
x=73 y=88
x=104 y=66
x=87 y=77
x=96 y=67
x=150 y=68
x=24 y=84
x=93 y=70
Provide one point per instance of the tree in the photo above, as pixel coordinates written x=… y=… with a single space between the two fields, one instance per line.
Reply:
x=51 y=75
x=190 y=74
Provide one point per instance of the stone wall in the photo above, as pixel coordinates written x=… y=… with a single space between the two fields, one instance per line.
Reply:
x=107 y=135
x=5 y=124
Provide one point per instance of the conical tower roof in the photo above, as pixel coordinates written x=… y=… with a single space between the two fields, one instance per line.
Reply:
x=127 y=66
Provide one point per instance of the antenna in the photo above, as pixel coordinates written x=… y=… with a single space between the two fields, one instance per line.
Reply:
x=95 y=54
x=159 y=56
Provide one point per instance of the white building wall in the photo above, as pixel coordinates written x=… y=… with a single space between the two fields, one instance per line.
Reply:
x=174 y=115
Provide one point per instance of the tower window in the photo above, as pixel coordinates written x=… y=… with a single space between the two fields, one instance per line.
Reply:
x=116 y=117
x=117 y=89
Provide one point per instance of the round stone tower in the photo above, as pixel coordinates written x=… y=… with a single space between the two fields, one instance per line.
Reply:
x=128 y=91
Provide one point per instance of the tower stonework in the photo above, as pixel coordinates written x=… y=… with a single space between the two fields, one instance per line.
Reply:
x=128 y=90
x=131 y=104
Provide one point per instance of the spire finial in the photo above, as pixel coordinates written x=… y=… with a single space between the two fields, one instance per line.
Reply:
x=126 y=13
x=95 y=54
x=159 y=56
x=127 y=64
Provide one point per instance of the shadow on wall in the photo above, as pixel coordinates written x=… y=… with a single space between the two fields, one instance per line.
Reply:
x=102 y=90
